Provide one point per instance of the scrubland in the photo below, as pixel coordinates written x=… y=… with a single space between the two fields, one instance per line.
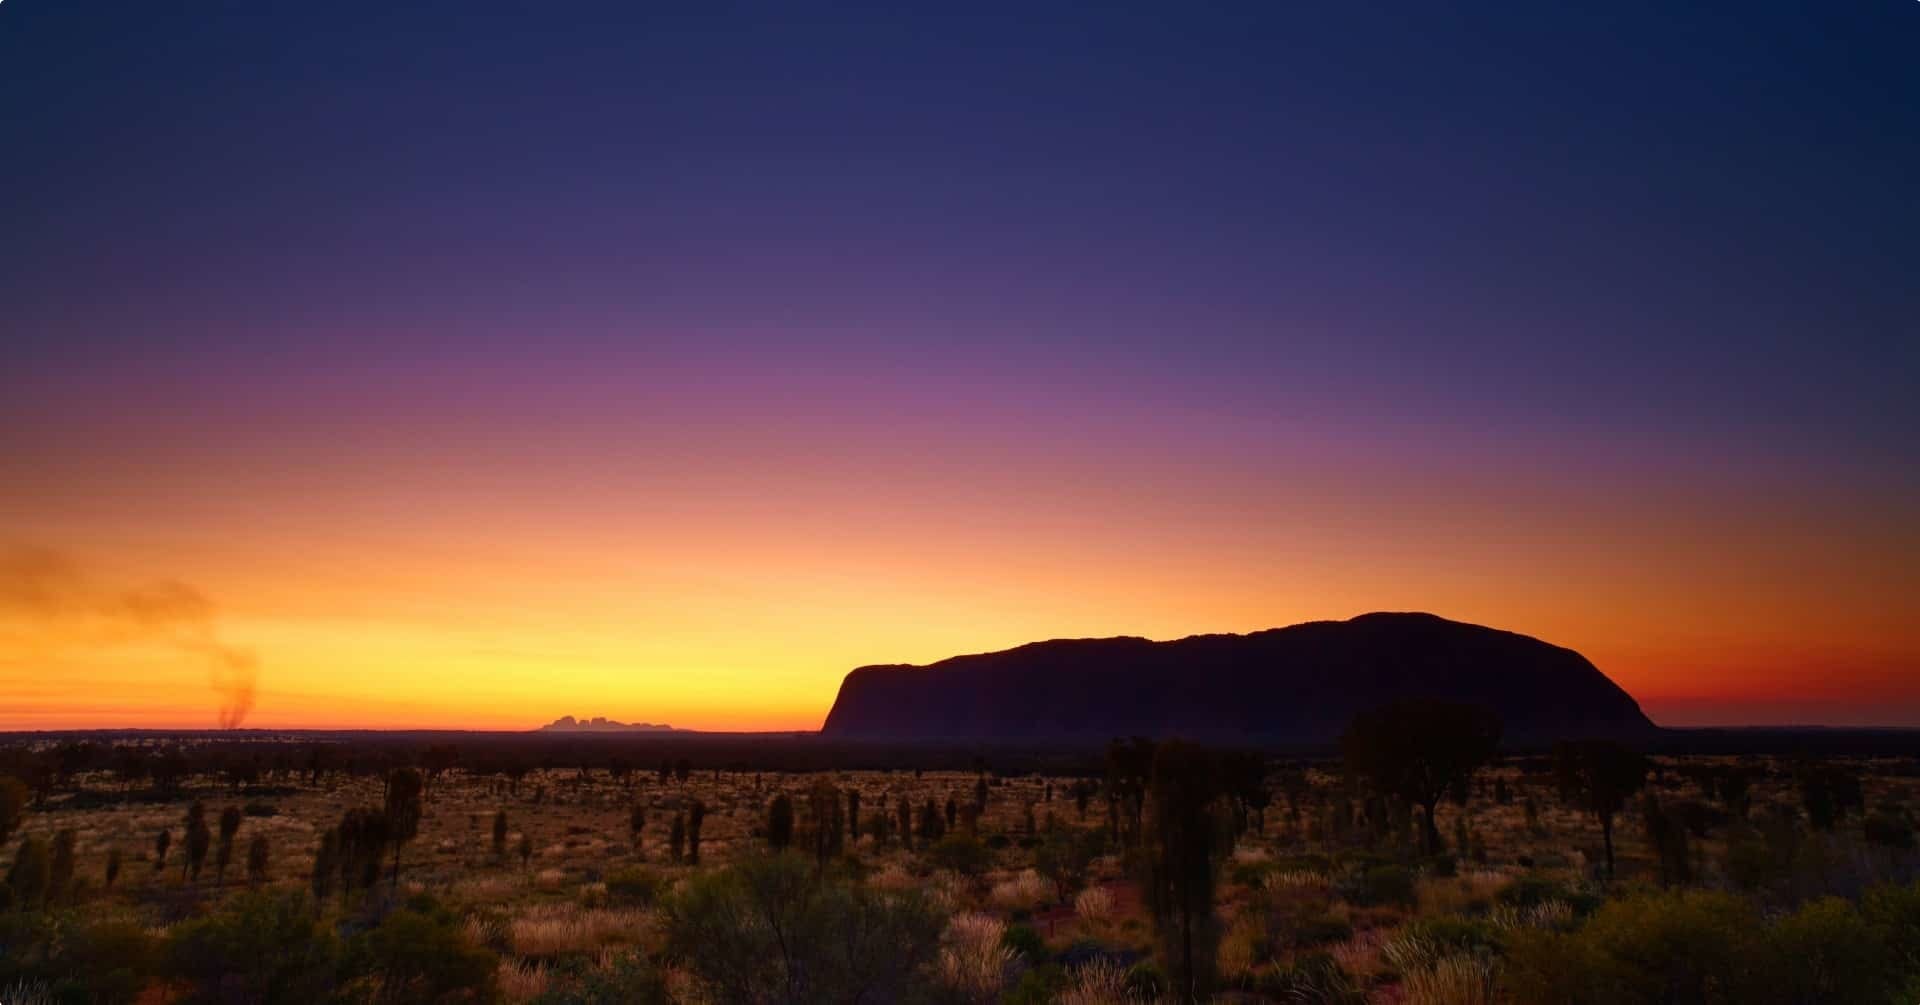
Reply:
x=1734 y=880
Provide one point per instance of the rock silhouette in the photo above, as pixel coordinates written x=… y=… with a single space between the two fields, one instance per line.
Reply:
x=1301 y=684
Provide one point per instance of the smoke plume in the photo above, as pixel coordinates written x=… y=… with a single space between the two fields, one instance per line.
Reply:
x=49 y=604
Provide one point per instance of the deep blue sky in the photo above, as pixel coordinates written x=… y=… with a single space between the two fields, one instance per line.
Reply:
x=1646 y=212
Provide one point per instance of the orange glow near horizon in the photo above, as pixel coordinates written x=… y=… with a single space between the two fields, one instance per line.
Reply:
x=737 y=599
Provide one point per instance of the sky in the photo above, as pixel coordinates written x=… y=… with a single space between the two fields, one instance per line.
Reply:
x=468 y=365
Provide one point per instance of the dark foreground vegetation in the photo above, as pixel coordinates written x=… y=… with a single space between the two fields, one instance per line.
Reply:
x=1420 y=865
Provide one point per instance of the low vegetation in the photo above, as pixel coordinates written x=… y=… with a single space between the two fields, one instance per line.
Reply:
x=1430 y=873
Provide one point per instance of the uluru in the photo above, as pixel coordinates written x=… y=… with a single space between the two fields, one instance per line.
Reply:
x=1296 y=685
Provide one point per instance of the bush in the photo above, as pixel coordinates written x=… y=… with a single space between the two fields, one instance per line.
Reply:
x=960 y=853
x=258 y=947
x=1321 y=931
x=1827 y=952
x=1381 y=885
x=1024 y=940
x=1655 y=949
x=421 y=953
x=775 y=929
x=617 y=981
x=1313 y=979
x=634 y=886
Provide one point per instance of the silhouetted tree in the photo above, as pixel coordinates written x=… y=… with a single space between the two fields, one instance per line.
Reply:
x=682 y=770
x=404 y=794
x=223 y=853
x=980 y=793
x=113 y=866
x=1667 y=833
x=823 y=805
x=326 y=862
x=161 y=842
x=1183 y=850
x=780 y=823
x=1600 y=776
x=1829 y=793
x=61 y=863
x=13 y=805
x=199 y=838
x=1421 y=750
x=696 y=815
x=1129 y=767
x=257 y=852
x=31 y=874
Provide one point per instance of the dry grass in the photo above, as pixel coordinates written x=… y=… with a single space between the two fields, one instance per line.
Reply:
x=1456 y=980
x=1100 y=982
x=522 y=982
x=1094 y=905
x=567 y=929
x=973 y=960
x=1025 y=891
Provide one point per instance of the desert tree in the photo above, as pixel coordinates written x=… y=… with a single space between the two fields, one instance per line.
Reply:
x=13 y=805
x=1600 y=776
x=326 y=862
x=931 y=826
x=980 y=793
x=1129 y=769
x=696 y=815
x=1828 y=793
x=682 y=770
x=500 y=836
x=1420 y=750
x=780 y=822
x=1244 y=775
x=223 y=852
x=161 y=842
x=637 y=828
x=199 y=839
x=404 y=794
x=60 y=863
x=257 y=855
x=1184 y=846
x=113 y=867
x=31 y=874
x=823 y=807
x=1667 y=833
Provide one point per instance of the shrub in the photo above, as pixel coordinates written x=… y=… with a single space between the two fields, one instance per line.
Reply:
x=960 y=853
x=634 y=885
x=1313 y=979
x=1687 y=947
x=262 y=946
x=422 y=953
x=1024 y=940
x=1827 y=952
x=1381 y=885
x=775 y=929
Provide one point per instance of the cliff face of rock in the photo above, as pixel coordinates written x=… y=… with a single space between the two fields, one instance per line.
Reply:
x=1301 y=684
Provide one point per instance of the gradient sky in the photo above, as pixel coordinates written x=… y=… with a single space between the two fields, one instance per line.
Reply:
x=474 y=364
